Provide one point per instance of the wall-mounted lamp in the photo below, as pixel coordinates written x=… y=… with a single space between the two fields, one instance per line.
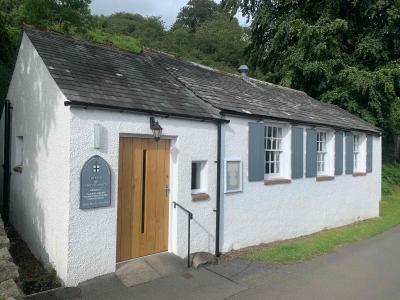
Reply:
x=97 y=136
x=156 y=128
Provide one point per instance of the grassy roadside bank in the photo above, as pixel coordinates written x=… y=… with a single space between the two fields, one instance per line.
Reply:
x=327 y=241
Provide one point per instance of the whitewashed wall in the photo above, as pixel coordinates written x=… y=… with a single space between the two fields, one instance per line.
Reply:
x=81 y=244
x=264 y=213
x=40 y=194
x=92 y=244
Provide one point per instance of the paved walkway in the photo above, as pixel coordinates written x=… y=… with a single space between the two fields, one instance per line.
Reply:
x=364 y=270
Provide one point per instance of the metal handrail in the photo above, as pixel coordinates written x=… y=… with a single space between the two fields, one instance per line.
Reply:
x=190 y=217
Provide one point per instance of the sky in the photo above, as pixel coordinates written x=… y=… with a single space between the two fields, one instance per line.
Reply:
x=167 y=9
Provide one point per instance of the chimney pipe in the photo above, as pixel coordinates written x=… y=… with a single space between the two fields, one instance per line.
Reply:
x=244 y=70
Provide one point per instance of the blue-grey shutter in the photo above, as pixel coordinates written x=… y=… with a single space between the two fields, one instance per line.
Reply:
x=311 y=153
x=297 y=152
x=339 y=153
x=256 y=151
x=369 y=153
x=349 y=153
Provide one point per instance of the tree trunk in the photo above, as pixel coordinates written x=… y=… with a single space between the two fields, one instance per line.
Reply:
x=397 y=147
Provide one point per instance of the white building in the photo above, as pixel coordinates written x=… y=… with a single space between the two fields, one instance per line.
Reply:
x=289 y=165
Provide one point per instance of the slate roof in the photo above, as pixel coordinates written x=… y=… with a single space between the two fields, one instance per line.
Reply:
x=231 y=94
x=108 y=77
x=160 y=83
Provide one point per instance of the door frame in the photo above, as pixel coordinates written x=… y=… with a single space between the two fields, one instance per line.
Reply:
x=171 y=233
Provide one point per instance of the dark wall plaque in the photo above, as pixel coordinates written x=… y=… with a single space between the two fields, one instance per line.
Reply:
x=95 y=183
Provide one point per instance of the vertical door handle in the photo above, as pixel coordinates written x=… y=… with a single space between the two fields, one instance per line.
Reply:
x=166 y=190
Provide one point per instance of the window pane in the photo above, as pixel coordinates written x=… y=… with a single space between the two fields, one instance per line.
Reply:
x=196 y=171
x=269 y=132
x=233 y=175
x=274 y=144
x=280 y=133
x=275 y=133
x=268 y=144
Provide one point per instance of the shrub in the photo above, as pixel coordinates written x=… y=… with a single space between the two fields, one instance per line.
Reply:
x=119 y=41
x=390 y=177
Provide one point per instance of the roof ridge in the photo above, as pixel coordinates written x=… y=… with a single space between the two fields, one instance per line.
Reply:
x=67 y=36
x=223 y=72
x=204 y=102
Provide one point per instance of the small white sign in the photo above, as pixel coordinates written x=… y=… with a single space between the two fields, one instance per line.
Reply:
x=233 y=176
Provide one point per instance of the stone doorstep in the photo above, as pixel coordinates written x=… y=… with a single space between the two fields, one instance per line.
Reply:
x=149 y=268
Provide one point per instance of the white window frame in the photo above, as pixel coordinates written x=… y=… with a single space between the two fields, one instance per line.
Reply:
x=322 y=151
x=285 y=157
x=360 y=152
x=203 y=177
x=240 y=175
x=356 y=152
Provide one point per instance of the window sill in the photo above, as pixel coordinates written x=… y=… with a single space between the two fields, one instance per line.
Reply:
x=276 y=181
x=200 y=197
x=357 y=174
x=18 y=169
x=325 y=178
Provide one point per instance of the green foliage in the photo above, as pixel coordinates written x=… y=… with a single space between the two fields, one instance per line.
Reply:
x=46 y=281
x=33 y=276
x=344 y=52
x=328 y=241
x=10 y=20
x=194 y=13
x=148 y=30
x=116 y=40
x=220 y=39
x=64 y=15
x=390 y=178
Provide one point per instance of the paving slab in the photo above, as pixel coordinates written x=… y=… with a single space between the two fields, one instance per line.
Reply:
x=166 y=264
x=193 y=284
x=136 y=272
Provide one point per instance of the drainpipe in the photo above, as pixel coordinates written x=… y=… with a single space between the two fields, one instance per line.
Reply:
x=7 y=163
x=217 y=211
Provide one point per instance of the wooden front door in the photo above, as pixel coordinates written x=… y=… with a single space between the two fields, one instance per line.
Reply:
x=142 y=197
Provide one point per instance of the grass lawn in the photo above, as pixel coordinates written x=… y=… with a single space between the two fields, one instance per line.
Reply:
x=327 y=241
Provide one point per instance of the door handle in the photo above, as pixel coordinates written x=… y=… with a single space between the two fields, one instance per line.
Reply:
x=166 y=190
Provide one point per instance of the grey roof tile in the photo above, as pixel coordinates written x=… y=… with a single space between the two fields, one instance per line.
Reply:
x=230 y=93
x=160 y=83
x=92 y=74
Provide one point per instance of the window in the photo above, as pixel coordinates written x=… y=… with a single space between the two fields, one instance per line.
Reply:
x=233 y=176
x=321 y=153
x=356 y=152
x=198 y=177
x=273 y=150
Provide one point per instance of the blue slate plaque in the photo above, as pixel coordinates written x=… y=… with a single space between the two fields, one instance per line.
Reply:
x=95 y=183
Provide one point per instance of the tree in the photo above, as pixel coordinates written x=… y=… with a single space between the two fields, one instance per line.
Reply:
x=394 y=119
x=221 y=39
x=344 y=52
x=64 y=15
x=148 y=30
x=10 y=21
x=194 y=13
